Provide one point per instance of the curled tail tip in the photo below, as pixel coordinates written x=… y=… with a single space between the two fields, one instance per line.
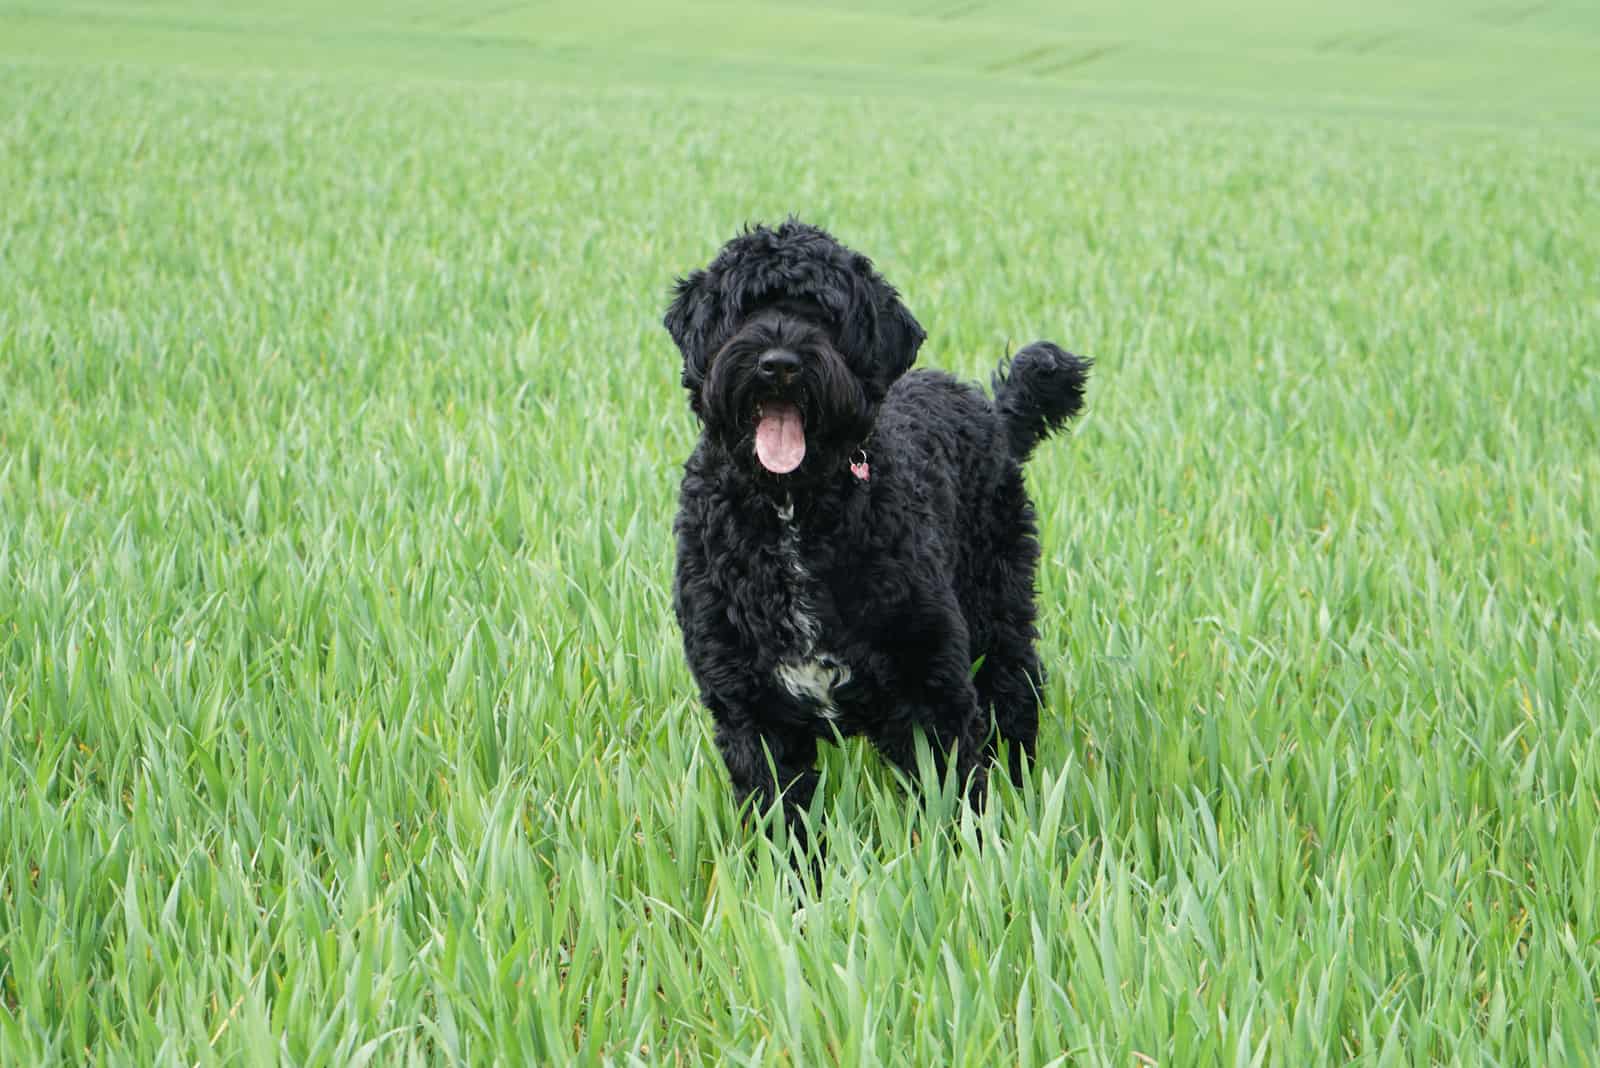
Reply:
x=1037 y=390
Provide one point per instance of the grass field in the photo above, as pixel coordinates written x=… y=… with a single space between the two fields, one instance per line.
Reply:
x=342 y=715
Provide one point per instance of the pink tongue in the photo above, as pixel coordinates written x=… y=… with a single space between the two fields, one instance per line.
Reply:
x=780 y=437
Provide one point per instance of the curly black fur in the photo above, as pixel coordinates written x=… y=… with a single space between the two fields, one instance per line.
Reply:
x=818 y=601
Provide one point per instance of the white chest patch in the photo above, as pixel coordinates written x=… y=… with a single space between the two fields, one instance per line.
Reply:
x=815 y=680
x=811 y=674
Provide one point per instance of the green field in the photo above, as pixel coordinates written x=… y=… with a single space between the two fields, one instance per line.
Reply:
x=342 y=713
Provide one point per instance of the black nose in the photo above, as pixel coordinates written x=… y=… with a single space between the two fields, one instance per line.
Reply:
x=776 y=364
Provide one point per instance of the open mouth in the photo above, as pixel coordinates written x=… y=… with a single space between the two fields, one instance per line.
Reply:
x=780 y=436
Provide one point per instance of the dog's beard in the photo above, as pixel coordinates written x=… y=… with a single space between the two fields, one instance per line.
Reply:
x=800 y=428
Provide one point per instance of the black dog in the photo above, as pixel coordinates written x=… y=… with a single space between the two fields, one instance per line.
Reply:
x=856 y=549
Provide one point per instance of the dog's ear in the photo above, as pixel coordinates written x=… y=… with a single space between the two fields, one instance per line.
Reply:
x=873 y=322
x=688 y=320
x=895 y=336
x=899 y=337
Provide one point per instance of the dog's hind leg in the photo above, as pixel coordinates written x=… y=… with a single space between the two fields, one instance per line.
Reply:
x=1010 y=680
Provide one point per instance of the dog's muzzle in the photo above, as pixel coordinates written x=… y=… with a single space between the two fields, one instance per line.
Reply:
x=777 y=367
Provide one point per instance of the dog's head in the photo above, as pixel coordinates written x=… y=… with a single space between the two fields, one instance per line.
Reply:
x=789 y=342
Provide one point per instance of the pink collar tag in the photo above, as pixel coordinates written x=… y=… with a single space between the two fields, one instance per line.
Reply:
x=858 y=465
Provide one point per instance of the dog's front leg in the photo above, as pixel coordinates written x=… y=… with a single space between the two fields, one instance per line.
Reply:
x=955 y=731
x=767 y=763
x=924 y=664
x=768 y=755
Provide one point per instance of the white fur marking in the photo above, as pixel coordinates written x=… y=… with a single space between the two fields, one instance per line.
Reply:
x=812 y=674
x=815 y=680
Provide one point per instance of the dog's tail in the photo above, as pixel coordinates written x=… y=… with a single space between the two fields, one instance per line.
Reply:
x=1037 y=391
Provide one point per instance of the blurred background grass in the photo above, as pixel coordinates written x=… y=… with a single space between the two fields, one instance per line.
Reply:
x=1505 y=62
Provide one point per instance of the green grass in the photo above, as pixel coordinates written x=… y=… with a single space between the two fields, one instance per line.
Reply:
x=342 y=716
x=1496 y=61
